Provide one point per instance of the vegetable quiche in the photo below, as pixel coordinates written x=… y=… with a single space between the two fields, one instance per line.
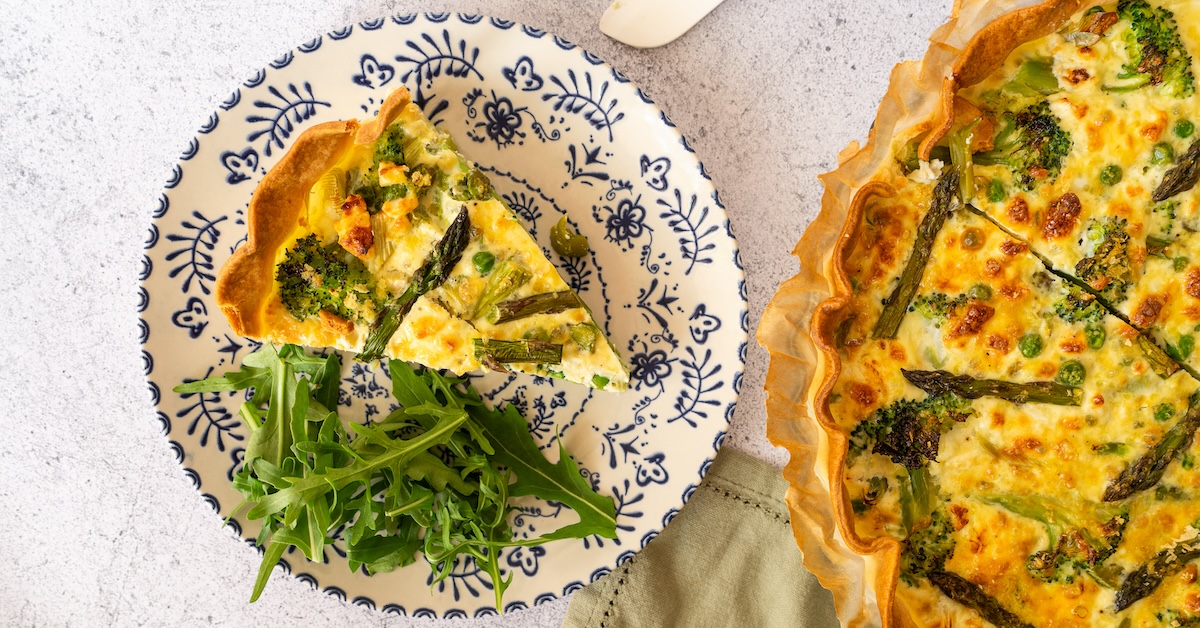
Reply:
x=985 y=371
x=381 y=238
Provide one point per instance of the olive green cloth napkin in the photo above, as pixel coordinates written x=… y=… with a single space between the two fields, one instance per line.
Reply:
x=727 y=559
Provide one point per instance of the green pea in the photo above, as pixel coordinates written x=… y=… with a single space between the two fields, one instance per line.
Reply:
x=537 y=333
x=483 y=262
x=1184 y=129
x=1186 y=343
x=980 y=292
x=566 y=242
x=996 y=191
x=1095 y=334
x=1162 y=154
x=1030 y=345
x=1163 y=412
x=1071 y=373
x=972 y=239
x=1111 y=174
x=1180 y=263
x=1187 y=462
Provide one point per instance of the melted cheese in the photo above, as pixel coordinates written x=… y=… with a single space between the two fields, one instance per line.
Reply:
x=1059 y=453
x=1111 y=129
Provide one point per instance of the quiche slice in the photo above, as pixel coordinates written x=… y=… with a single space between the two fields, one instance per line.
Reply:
x=379 y=237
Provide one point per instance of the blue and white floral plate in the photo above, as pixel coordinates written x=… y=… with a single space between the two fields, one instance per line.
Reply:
x=559 y=132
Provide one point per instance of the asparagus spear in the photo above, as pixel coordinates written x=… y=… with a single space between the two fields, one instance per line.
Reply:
x=547 y=303
x=432 y=274
x=895 y=306
x=1182 y=177
x=970 y=595
x=917 y=497
x=504 y=280
x=940 y=382
x=1142 y=582
x=508 y=351
x=1160 y=362
x=1146 y=471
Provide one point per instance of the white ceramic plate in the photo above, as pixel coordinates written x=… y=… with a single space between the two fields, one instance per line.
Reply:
x=558 y=132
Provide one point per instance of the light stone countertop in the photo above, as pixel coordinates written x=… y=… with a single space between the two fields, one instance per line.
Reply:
x=98 y=98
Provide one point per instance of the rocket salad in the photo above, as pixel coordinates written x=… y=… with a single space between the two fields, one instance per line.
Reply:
x=434 y=477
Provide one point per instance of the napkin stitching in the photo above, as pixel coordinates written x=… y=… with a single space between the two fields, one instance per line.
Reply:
x=612 y=601
x=779 y=516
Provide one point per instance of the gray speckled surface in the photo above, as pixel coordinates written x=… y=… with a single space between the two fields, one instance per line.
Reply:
x=96 y=101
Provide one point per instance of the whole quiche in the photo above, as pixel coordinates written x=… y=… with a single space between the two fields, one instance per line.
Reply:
x=986 y=369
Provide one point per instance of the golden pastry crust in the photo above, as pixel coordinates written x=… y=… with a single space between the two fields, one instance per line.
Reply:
x=244 y=284
x=798 y=325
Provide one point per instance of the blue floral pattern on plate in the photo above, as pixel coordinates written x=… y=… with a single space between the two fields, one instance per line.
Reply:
x=559 y=132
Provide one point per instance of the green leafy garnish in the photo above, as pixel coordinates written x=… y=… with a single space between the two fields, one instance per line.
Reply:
x=434 y=476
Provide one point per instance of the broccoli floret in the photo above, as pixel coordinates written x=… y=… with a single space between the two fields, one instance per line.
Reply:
x=1107 y=270
x=1080 y=536
x=908 y=431
x=390 y=146
x=1079 y=307
x=369 y=189
x=1030 y=143
x=374 y=194
x=1080 y=551
x=314 y=278
x=928 y=547
x=1156 y=53
x=936 y=306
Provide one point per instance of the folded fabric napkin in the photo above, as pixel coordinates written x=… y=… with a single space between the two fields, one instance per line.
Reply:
x=727 y=559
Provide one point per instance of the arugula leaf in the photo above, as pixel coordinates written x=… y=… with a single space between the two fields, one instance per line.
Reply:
x=560 y=482
x=435 y=476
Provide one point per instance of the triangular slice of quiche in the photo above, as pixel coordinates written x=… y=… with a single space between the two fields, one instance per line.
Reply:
x=379 y=237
